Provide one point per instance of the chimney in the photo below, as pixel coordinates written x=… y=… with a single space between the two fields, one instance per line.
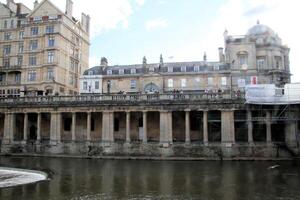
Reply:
x=221 y=55
x=85 y=21
x=205 y=57
x=35 y=4
x=69 y=8
x=8 y=2
x=104 y=62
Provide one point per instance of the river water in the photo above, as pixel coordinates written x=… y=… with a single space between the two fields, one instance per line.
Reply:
x=82 y=179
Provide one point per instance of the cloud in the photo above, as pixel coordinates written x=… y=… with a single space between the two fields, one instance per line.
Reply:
x=105 y=14
x=155 y=24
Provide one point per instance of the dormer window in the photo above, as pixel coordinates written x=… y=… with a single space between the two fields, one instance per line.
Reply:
x=170 y=69
x=121 y=71
x=133 y=71
x=109 y=72
x=183 y=69
x=196 y=68
x=91 y=73
x=216 y=68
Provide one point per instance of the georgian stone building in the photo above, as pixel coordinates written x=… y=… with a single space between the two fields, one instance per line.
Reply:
x=255 y=58
x=43 y=51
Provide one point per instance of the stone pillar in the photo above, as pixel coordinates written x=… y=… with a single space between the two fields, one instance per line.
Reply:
x=187 y=127
x=165 y=127
x=108 y=126
x=227 y=126
x=250 y=126
x=73 y=126
x=291 y=130
x=88 y=126
x=268 y=126
x=127 y=127
x=25 y=131
x=9 y=122
x=205 y=127
x=39 y=125
x=145 y=126
x=55 y=128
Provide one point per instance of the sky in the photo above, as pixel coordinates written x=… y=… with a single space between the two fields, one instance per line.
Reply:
x=124 y=31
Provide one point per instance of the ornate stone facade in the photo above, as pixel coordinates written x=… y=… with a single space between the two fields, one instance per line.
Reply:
x=43 y=51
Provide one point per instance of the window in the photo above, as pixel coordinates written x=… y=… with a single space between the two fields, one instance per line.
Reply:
x=7 y=36
x=34 y=31
x=90 y=72
x=183 y=68
x=133 y=84
x=216 y=67
x=196 y=68
x=2 y=78
x=170 y=69
x=21 y=47
x=84 y=86
x=223 y=81
x=32 y=75
x=21 y=34
x=20 y=60
x=170 y=83
x=18 y=78
x=210 y=80
x=243 y=59
x=278 y=62
x=50 y=57
x=37 y=18
x=50 y=74
x=71 y=79
x=109 y=72
x=49 y=29
x=51 y=41
x=5 y=24
x=12 y=23
x=133 y=71
x=32 y=60
x=33 y=45
x=183 y=82
x=6 y=62
x=260 y=63
x=6 y=49
x=96 y=85
x=121 y=71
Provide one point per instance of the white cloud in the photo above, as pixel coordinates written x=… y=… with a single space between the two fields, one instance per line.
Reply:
x=140 y=2
x=105 y=14
x=155 y=24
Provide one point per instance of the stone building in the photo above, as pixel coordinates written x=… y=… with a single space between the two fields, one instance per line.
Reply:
x=43 y=51
x=255 y=58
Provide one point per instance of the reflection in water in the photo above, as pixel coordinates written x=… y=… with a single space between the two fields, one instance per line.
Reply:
x=113 y=179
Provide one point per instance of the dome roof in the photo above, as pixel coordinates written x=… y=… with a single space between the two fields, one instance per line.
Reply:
x=260 y=29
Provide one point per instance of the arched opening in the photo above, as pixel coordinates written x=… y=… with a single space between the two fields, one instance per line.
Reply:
x=151 y=88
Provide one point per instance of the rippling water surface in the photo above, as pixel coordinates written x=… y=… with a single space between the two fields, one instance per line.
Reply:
x=121 y=179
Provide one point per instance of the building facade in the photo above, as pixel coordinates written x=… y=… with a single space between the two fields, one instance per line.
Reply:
x=43 y=51
x=255 y=58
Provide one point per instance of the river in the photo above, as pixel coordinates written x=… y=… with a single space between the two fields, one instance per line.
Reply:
x=81 y=179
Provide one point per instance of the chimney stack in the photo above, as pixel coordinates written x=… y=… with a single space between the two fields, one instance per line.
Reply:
x=69 y=8
x=85 y=22
x=9 y=1
x=35 y=4
x=221 y=54
x=104 y=62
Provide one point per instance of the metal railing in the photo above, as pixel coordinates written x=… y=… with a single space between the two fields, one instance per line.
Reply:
x=122 y=98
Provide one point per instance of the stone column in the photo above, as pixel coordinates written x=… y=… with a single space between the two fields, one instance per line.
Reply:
x=268 y=126
x=165 y=127
x=205 y=127
x=55 y=128
x=145 y=126
x=227 y=126
x=39 y=124
x=73 y=126
x=25 y=131
x=8 y=135
x=250 y=126
x=108 y=126
x=187 y=127
x=88 y=126
x=291 y=130
x=127 y=127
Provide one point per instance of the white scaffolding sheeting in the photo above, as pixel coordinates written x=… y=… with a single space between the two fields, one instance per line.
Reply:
x=269 y=94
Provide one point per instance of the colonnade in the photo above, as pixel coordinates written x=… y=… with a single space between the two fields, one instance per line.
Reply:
x=165 y=127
